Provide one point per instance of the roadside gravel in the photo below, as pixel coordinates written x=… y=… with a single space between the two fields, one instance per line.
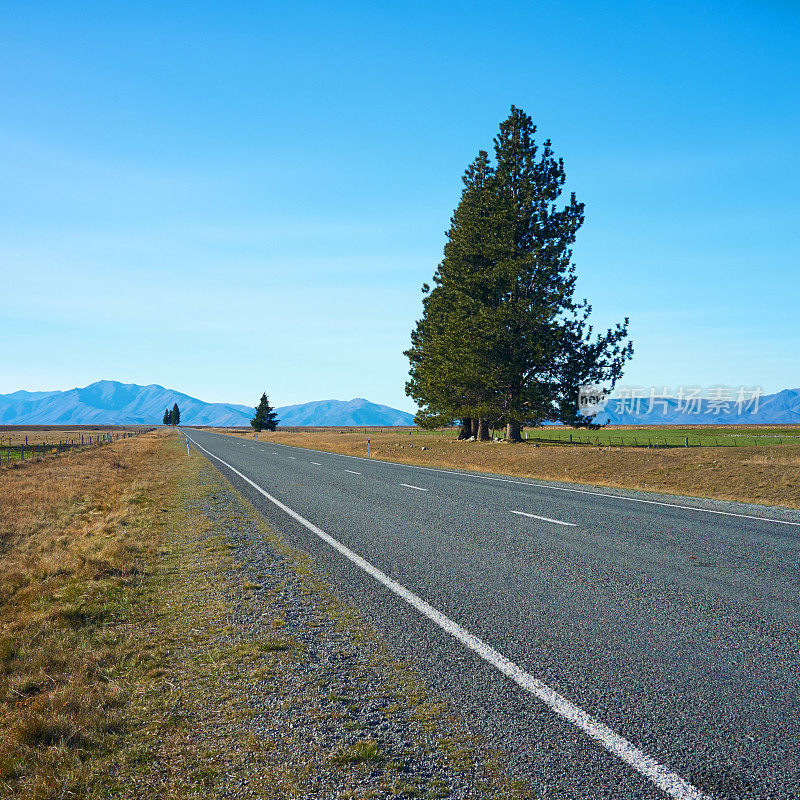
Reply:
x=285 y=689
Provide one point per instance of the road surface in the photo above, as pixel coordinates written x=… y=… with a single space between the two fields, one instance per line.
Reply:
x=614 y=644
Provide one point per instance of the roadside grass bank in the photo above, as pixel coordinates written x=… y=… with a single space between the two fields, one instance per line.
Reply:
x=762 y=475
x=158 y=640
x=276 y=688
x=78 y=535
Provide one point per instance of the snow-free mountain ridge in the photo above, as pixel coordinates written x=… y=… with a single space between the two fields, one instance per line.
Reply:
x=340 y=412
x=781 y=408
x=114 y=403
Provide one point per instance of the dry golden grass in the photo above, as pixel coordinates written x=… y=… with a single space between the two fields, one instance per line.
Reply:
x=43 y=434
x=763 y=475
x=76 y=533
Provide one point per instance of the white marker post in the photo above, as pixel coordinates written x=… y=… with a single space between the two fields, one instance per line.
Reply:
x=368 y=447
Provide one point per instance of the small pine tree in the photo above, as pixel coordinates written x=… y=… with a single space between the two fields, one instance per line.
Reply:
x=175 y=415
x=166 y=417
x=265 y=419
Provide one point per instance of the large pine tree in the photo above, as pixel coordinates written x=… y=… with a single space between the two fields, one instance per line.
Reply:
x=166 y=416
x=265 y=419
x=175 y=415
x=502 y=337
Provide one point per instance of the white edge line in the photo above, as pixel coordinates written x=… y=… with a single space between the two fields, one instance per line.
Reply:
x=550 y=486
x=409 y=486
x=667 y=781
x=352 y=472
x=545 y=519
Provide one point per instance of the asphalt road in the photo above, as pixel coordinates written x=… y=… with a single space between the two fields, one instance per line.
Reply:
x=669 y=623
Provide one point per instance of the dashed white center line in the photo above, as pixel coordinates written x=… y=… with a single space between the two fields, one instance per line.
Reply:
x=317 y=463
x=293 y=458
x=352 y=472
x=409 y=486
x=545 y=519
x=669 y=782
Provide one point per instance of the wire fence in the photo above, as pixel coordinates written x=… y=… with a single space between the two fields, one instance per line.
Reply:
x=12 y=451
x=631 y=439
x=331 y=429
x=645 y=439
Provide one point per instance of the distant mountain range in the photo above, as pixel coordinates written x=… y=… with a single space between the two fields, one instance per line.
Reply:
x=114 y=403
x=341 y=412
x=782 y=408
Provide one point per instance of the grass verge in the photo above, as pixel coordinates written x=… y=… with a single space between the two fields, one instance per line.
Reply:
x=79 y=534
x=274 y=688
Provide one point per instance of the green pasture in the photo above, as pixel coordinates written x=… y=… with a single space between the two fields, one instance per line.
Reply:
x=657 y=436
x=8 y=454
x=670 y=437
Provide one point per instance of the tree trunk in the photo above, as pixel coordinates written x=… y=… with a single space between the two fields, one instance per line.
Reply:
x=513 y=432
x=483 y=431
x=474 y=427
x=466 y=429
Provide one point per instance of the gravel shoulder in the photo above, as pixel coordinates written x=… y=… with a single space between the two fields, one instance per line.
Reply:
x=263 y=683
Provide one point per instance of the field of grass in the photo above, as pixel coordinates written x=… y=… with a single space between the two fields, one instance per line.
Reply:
x=72 y=560
x=14 y=436
x=610 y=436
x=766 y=474
x=640 y=436
x=23 y=444
x=662 y=436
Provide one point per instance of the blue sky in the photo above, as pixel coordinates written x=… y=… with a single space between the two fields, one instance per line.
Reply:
x=227 y=198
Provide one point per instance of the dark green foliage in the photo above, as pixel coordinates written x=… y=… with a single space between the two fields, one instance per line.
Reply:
x=175 y=415
x=447 y=368
x=166 y=417
x=265 y=419
x=502 y=338
x=430 y=420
